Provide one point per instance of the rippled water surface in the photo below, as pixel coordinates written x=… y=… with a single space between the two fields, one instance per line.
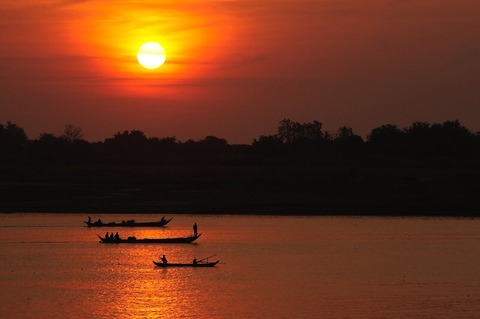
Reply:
x=51 y=266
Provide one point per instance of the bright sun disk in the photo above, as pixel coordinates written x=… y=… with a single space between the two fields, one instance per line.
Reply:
x=151 y=55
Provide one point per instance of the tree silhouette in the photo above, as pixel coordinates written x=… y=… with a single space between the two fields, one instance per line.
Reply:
x=387 y=139
x=290 y=132
x=13 y=141
x=131 y=138
x=449 y=138
x=72 y=133
x=347 y=142
x=213 y=142
x=12 y=135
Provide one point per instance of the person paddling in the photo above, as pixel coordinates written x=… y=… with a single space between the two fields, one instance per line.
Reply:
x=195 y=229
x=164 y=259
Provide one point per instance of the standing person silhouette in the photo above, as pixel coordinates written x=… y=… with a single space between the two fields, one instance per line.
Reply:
x=195 y=229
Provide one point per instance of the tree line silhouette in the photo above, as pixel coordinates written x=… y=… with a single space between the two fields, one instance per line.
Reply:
x=293 y=140
x=300 y=169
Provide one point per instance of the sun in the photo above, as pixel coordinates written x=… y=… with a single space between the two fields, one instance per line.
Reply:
x=151 y=55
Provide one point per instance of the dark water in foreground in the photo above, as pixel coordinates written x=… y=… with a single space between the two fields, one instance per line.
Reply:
x=271 y=267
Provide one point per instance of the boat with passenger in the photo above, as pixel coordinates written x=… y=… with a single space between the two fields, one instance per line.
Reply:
x=210 y=264
x=127 y=223
x=133 y=240
x=195 y=263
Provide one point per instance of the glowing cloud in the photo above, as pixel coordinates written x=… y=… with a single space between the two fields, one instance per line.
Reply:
x=111 y=33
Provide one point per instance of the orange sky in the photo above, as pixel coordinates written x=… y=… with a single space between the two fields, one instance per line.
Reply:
x=236 y=68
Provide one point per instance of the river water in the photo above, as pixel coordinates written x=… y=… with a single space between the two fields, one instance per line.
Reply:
x=51 y=266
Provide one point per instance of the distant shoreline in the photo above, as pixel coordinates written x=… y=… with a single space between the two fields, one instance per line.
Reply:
x=271 y=212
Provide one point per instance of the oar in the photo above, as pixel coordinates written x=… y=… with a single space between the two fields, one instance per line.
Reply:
x=206 y=258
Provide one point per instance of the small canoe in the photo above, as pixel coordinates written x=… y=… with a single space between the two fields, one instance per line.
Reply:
x=134 y=240
x=128 y=223
x=200 y=264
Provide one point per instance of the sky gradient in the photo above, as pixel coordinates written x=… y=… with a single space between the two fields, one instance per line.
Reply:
x=234 y=69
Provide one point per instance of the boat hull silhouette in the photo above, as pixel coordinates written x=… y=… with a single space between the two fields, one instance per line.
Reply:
x=134 y=240
x=129 y=223
x=161 y=264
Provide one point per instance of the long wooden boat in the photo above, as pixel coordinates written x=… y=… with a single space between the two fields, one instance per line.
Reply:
x=128 y=223
x=199 y=264
x=134 y=240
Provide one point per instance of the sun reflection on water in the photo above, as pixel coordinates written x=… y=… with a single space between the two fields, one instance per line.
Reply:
x=133 y=287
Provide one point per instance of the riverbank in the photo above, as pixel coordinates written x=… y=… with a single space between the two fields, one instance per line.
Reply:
x=67 y=199
x=300 y=189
